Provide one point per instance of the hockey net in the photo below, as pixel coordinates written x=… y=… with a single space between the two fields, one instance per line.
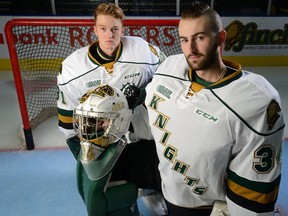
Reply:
x=38 y=46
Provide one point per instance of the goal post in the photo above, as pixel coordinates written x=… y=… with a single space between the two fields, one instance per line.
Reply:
x=38 y=46
x=19 y=90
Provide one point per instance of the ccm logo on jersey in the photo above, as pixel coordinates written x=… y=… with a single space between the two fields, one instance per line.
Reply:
x=206 y=115
x=131 y=75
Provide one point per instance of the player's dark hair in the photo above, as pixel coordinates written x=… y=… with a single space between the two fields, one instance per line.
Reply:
x=111 y=10
x=198 y=9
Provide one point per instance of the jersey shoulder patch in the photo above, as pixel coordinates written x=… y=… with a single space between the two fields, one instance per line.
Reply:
x=153 y=50
x=272 y=113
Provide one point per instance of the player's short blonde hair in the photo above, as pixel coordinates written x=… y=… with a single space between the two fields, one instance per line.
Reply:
x=111 y=10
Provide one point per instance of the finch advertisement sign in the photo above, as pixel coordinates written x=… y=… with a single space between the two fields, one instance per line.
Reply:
x=257 y=40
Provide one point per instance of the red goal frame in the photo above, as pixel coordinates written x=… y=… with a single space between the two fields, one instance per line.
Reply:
x=11 y=43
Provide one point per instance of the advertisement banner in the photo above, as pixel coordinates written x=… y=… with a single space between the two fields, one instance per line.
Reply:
x=257 y=41
x=251 y=41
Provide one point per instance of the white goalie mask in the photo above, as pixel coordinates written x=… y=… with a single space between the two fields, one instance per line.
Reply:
x=102 y=117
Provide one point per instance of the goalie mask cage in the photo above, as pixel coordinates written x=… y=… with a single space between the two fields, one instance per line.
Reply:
x=38 y=46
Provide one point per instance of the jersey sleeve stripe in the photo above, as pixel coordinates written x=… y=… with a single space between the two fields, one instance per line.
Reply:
x=141 y=63
x=65 y=118
x=67 y=126
x=251 y=205
x=281 y=127
x=67 y=113
x=263 y=198
x=91 y=70
x=260 y=187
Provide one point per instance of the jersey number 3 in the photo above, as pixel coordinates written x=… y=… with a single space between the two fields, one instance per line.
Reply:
x=265 y=156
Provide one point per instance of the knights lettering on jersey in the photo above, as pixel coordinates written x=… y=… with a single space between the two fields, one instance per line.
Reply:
x=170 y=152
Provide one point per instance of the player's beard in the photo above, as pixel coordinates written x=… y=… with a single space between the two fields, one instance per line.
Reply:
x=205 y=61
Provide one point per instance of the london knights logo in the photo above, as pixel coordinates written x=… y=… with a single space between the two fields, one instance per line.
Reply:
x=239 y=35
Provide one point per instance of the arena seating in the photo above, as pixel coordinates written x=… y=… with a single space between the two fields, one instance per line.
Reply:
x=141 y=8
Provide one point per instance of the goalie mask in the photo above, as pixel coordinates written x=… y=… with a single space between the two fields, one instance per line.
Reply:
x=102 y=117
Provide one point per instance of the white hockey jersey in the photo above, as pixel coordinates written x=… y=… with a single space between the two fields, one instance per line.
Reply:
x=222 y=142
x=135 y=63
